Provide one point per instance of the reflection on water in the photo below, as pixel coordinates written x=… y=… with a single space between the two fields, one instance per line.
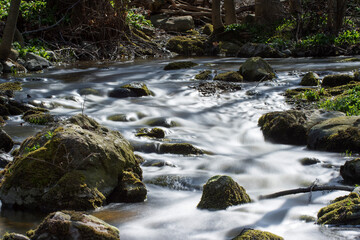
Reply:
x=223 y=124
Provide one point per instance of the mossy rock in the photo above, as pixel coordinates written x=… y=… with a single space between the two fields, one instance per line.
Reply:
x=357 y=76
x=6 y=143
x=189 y=45
x=162 y=122
x=338 y=134
x=180 y=65
x=286 y=127
x=73 y=225
x=134 y=89
x=208 y=29
x=4 y=111
x=310 y=79
x=118 y=118
x=157 y=163
x=179 y=148
x=74 y=164
x=252 y=234
x=204 y=75
x=217 y=87
x=336 y=80
x=37 y=117
x=14 y=236
x=229 y=77
x=90 y=91
x=343 y=210
x=229 y=49
x=10 y=86
x=256 y=69
x=350 y=171
x=150 y=133
x=221 y=192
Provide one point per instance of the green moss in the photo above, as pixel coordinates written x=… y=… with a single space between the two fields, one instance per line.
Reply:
x=220 y=192
x=336 y=80
x=208 y=29
x=152 y=133
x=180 y=65
x=90 y=91
x=10 y=86
x=187 y=45
x=310 y=79
x=204 y=75
x=180 y=148
x=140 y=89
x=37 y=117
x=229 y=77
x=252 y=234
x=256 y=69
x=344 y=210
x=118 y=118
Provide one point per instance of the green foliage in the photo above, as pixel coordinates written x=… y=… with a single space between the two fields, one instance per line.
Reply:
x=33 y=47
x=319 y=39
x=312 y=95
x=259 y=32
x=49 y=135
x=349 y=104
x=35 y=147
x=348 y=37
x=137 y=20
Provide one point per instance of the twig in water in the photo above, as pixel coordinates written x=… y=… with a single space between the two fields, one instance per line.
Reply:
x=83 y=106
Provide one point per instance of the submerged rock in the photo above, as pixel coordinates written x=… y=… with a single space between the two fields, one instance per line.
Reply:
x=221 y=192
x=180 y=65
x=310 y=79
x=151 y=133
x=90 y=91
x=343 y=210
x=229 y=77
x=336 y=80
x=73 y=225
x=162 y=122
x=37 y=117
x=216 y=87
x=350 y=171
x=256 y=69
x=134 y=89
x=252 y=234
x=6 y=143
x=75 y=164
x=179 y=148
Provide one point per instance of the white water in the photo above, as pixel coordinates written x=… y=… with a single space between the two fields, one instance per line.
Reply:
x=225 y=125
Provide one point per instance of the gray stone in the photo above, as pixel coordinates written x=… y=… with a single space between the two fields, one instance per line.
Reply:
x=256 y=69
x=259 y=50
x=176 y=24
x=35 y=62
x=6 y=143
x=14 y=54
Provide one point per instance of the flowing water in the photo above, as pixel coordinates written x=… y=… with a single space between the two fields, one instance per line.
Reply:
x=223 y=124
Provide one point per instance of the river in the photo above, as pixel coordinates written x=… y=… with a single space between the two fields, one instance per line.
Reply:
x=223 y=124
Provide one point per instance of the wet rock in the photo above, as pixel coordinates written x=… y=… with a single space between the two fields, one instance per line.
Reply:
x=37 y=117
x=133 y=89
x=14 y=54
x=35 y=62
x=73 y=225
x=252 y=234
x=204 y=75
x=90 y=91
x=343 y=210
x=229 y=77
x=179 y=148
x=74 y=164
x=338 y=134
x=258 y=50
x=14 y=236
x=151 y=133
x=189 y=45
x=180 y=65
x=208 y=29
x=157 y=163
x=350 y=171
x=221 y=192
x=256 y=69
x=176 y=182
x=3 y=161
x=336 y=80
x=12 y=67
x=6 y=143
x=216 y=87
x=309 y=161
x=229 y=49
x=119 y=118
x=310 y=79
x=162 y=122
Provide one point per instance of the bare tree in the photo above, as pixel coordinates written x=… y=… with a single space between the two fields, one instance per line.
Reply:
x=336 y=14
x=216 y=16
x=9 y=31
x=230 y=14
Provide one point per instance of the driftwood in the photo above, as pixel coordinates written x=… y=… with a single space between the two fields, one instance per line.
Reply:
x=312 y=188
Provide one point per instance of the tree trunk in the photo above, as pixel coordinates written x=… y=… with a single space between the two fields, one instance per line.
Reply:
x=268 y=11
x=10 y=27
x=230 y=14
x=336 y=13
x=296 y=10
x=216 y=16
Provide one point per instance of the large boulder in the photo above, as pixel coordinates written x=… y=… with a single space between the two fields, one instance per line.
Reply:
x=310 y=79
x=74 y=164
x=73 y=225
x=134 y=89
x=336 y=80
x=252 y=234
x=343 y=210
x=338 y=134
x=221 y=192
x=187 y=45
x=6 y=143
x=350 y=171
x=35 y=62
x=256 y=69
x=258 y=50
x=178 y=24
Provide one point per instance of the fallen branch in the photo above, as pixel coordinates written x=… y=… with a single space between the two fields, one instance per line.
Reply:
x=191 y=8
x=312 y=188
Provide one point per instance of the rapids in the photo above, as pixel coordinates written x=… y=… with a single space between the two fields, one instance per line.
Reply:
x=223 y=124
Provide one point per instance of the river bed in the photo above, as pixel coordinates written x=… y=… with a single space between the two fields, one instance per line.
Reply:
x=223 y=124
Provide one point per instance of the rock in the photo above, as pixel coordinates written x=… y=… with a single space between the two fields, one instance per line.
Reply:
x=216 y=87
x=1 y=68
x=74 y=164
x=14 y=236
x=6 y=143
x=37 y=117
x=180 y=65
x=258 y=50
x=256 y=69
x=4 y=162
x=179 y=148
x=229 y=77
x=73 y=225
x=133 y=89
x=338 y=134
x=14 y=54
x=309 y=161
x=229 y=49
x=157 y=163
x=286 y=127
x=350 y=171
x=161 y=122
x=310 y=79
x=204 y=75
x=336 y=80
x=252 y=234
x=187 y=45
x=176 y=182
x=221 y=192
x=151 y=133
x=342 y=211
x=208 y=29
x=178 y=24
x=118 y=118
x=90 y=91
x=35 y=62
x=12 y=67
